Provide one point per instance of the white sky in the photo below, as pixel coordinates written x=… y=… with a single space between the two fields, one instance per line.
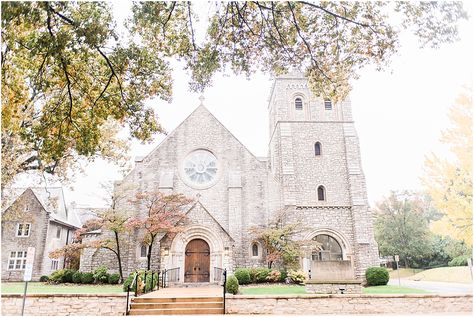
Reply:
x=398 y=113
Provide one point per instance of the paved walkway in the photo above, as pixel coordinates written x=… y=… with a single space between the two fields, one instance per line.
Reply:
x=209 y=291
x=435 y=287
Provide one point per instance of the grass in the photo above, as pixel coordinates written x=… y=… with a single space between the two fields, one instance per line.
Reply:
x=455 y=274
x=391 y=289
x=272 y=290
x=43 y=288
x=403 y=272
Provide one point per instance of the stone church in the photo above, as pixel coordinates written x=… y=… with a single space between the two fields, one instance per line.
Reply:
x=313 y=170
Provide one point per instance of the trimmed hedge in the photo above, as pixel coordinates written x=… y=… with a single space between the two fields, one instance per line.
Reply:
x=77 y=277
x=87 y=278
x=262 y=274
x=377 y=276
x=232 y=285
x=100 y=275
x=114 y=278
x=243 y=276
x=62 y=276
x=44 y=278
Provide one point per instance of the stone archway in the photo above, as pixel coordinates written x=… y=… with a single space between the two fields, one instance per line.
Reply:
x=176 y=257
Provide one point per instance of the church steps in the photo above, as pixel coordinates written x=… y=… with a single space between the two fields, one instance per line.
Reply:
x=177 y=306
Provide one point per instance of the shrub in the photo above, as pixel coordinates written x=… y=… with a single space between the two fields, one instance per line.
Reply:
x=243 y=276
x=232 y=285
x=262 y=274
x=77 y=277
x=376 y=276
x=87 y=278
x=148 y=286
x=44 y=278
x=253 y=275
x=62 y=276
x=128 y=281
x=114 y=278
x=459 y=261
x=283 y=275
x=297 y=277
x=274 y=276
x=100 y=275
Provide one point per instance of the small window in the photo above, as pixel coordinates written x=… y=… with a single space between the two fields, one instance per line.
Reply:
x=143 y=251
x=58 y=233
x=298 y=104
x=317 y=149
x=321 y=193
x=54 y=265
x=328 y=104
x=254 y=249
x=17 y=260
x=23 y=230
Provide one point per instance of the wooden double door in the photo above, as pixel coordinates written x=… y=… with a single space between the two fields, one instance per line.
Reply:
x=197 y=262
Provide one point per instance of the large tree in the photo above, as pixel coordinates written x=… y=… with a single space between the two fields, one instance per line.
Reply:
x=402 y=226
x=448 y=179
x=66 y=71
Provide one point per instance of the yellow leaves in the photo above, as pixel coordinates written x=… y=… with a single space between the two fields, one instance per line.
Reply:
x=449 y=180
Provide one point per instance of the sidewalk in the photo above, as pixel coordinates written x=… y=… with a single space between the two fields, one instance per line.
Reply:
x=435 y=287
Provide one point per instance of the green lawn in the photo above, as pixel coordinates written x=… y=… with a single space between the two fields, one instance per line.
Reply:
x=272 y=290
x=43 y=288
x=391 y=289
x=455 y=274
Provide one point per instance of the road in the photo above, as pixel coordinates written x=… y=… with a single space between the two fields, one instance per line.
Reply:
x=435 y=287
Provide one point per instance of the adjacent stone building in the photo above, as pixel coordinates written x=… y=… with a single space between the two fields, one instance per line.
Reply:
x=313 y=170
x=34 y=217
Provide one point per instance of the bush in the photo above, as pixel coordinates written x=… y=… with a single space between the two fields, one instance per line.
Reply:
x=274 y=276
x=44 y=278
x=376 y=276
x=148 y=286
x=100 y=275
x=253 y=275
x=62 y=276
x=243 y=276
x=232 y=285
x=283 y=275
x=262 y=274
x=459 y=261
x=297 y=277
x=114 y=278
x=87 y=278
x=77 y=277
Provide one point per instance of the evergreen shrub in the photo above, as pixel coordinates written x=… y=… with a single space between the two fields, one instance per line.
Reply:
x=243 y=276
x=87 y=278
x=232 y=285
x=376 y=276
x=77 y=277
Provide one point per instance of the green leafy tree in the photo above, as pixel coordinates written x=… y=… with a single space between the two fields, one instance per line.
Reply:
x=70 y=81
x=402 y=226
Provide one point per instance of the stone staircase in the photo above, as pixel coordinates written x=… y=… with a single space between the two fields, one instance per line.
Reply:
x=203 y=299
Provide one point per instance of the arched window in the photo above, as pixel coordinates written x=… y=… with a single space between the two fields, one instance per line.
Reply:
x=298 y=104
x=327 y=104
x=143 y=250
x=321 y=193
x=329 y=249
x=254 y=249
x=317 y=148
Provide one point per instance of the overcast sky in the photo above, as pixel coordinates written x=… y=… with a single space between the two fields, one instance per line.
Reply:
x=399 y=114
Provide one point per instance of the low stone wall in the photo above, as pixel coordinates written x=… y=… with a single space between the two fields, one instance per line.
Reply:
x=334 y=287
x=65 y=304
x=348 y=304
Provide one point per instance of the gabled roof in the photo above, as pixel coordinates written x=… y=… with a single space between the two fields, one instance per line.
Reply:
x=210 y=216
x=51 y=199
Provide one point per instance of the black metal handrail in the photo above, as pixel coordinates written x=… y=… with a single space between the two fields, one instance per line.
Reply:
x=169 y=275
x=220 y=275
x=134 y=285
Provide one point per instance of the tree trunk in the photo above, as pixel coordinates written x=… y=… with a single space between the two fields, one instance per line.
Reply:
x=149 y=253
x=119 y=258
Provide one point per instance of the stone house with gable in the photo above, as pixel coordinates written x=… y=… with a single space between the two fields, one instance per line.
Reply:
x=34 y=217
x=313 y=170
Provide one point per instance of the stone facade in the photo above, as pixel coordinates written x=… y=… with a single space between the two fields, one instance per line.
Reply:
x=412 y=304
x=65 y=304
x=51 y=226
x=236 y=191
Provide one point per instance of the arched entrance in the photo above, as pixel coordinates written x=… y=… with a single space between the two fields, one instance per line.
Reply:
x=197 y=261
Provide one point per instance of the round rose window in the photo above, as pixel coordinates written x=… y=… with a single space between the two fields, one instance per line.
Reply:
x=200 y=167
